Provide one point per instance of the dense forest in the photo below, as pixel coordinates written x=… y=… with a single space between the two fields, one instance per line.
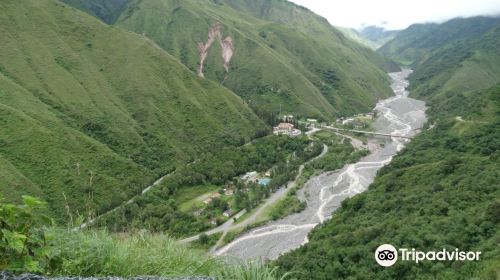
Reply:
x=157 y=210
x=445 y=181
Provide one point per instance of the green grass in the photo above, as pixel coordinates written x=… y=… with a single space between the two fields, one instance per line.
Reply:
x=290 y=204
x=252 y=270
x=99 y=253
x=95 y=113
x=190 y=197
x=208 y=244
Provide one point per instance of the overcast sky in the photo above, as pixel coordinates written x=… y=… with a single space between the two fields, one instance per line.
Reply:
x=397 y=14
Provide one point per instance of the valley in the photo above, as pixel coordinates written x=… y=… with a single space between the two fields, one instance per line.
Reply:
x=246 y=140
x=324 y=193
x=441 y=189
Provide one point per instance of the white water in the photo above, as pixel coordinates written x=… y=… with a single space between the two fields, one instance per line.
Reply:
x=398 y=115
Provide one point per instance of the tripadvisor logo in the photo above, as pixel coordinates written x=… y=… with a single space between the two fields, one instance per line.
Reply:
x=387 y=255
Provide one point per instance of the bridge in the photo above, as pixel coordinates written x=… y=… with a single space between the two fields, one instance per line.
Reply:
x=365 y=132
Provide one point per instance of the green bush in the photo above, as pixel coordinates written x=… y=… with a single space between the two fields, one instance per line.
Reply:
x=24 y=242
x=289 y=205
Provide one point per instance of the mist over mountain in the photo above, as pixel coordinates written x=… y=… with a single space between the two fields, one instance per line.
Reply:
x=376 y=34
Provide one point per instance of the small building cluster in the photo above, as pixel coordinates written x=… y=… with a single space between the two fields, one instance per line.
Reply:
x=254 y=177
x=228 y=213
x=212 y=196
x=230 y=189
x=250 y=176
x=286 y=129
x=311 y=123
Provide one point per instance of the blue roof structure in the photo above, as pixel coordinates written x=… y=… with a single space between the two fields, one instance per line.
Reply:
x=264 y=181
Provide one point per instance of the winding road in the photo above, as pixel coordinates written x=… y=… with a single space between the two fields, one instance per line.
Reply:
x=143 y=192
x=398 y=116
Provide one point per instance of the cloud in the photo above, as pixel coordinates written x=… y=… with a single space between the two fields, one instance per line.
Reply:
x=397 y=14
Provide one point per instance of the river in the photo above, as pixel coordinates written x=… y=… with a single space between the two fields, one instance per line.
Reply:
x=398 y=115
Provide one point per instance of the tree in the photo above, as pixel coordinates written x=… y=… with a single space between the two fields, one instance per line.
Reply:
x=203 y=238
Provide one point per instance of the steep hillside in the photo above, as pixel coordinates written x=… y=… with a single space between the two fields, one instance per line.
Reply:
x=418 y=42
x=464 y=66
x=276 y=54
x=92 y=114
x=441 y=191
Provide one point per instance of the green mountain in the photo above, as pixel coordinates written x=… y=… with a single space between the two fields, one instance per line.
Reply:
x=92 y=114
x=418 y=42
x=107 y=10
x=441 y=191
x=466 y=65
x=377 y=35
x=276 y=54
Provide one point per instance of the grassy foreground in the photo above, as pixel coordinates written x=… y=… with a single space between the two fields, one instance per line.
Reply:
x=30 y=243
x=99 y=253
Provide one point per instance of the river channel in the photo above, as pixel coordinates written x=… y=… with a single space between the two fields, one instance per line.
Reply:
x=397 y=115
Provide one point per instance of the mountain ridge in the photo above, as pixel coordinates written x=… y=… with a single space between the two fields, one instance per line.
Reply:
x=409 y=45
x=298 y=79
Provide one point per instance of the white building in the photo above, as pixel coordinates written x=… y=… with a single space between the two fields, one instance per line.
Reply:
x=348 y=121
x=228 y=213
x=283 y=128
x=250 y=176
x=286 y=129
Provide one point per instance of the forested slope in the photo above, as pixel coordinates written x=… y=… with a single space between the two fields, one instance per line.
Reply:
x=92 y=114
x=441 y=191
x=418 y=42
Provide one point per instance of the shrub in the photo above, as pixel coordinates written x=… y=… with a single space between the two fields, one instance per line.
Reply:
x=24 y=241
